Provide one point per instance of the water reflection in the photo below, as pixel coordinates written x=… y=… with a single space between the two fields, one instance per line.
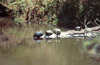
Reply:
x=65 y=52
x=38 y=39
x=47 y=39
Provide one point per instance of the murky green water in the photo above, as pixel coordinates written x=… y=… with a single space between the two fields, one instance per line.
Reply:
x=56 y=52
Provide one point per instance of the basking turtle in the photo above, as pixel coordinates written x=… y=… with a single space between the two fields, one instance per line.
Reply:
x=78 y=28
x=48 y=32
x=38 y=34
x=57 y=31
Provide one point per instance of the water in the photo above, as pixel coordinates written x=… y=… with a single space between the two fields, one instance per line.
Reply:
x=44 y=52
x=55 y=52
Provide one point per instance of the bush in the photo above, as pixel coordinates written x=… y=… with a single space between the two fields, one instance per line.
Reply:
x=76 y=14
x=62 y=13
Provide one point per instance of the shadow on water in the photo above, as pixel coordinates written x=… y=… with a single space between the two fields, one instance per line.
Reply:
x=38 y=39
x=47 y=39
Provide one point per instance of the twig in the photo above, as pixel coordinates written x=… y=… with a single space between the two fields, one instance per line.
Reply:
x=96 y=20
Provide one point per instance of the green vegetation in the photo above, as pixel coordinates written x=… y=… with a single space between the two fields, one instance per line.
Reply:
x=92 y=46
x=75 y=14
x=58 y=12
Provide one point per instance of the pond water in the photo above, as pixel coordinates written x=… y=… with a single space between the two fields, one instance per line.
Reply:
x=47 y=52
x=52 y=52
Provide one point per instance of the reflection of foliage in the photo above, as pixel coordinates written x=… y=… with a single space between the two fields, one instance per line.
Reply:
x=86 y=44
x=92 y=46
x=93 y=49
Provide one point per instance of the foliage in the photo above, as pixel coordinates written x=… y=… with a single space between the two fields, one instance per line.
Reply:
x=76 y=14
x=68 y=15
x=61 y=12
x=90 y=12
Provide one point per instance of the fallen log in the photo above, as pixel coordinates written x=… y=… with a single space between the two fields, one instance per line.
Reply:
x=89 y=32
